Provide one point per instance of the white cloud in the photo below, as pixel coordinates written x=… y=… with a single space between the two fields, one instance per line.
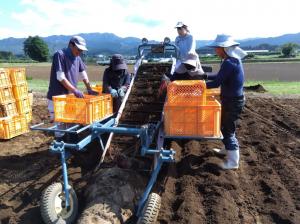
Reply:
x=155 y=19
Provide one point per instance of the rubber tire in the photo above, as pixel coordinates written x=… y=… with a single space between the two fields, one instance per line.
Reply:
x=48 y=212
x=150 y=210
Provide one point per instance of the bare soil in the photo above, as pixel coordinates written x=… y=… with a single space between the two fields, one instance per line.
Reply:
x=265 y=189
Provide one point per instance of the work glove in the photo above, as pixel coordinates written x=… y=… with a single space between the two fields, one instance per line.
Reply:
x=204 y=76
x=78 y=93
x=121 y=92
x=92 y=92
x=113 y=92
x=163 y=86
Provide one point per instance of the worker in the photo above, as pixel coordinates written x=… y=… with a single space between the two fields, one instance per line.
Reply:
x=116 y=80
x=185 y=43
x=189 y=69
x=231 y=79
x=67 y=68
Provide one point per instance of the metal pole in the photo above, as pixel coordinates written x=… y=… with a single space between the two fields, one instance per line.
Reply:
x=65 y=177
x=119 y=113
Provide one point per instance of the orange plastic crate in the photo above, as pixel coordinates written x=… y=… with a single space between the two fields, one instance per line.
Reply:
x=186 y=91
x=69 y=109
x=30 y=95
x=20 y=91
x=17 y=76
x=213 y=92
x=8 y=109
x=13 y=126
x=23 y=105
x=6 y=95
x=4 y=78
x=97 y=88
x=193 y=120
x=28 y=116
x=107 y=104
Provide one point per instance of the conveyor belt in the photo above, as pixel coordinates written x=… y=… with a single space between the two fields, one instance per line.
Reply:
x=142 y=106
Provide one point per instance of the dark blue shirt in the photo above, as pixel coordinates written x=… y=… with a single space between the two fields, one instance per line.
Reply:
x=230 y=78
x=64 y=61
x=115 y=79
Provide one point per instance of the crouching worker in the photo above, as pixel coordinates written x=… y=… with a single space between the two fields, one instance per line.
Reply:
x=67 y=68
x=116 y=80
x=189 y=69
x=231 y=79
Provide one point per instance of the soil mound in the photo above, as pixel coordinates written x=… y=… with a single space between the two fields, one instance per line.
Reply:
x=255 y=88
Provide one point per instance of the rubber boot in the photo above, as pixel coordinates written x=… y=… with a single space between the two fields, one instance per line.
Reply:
x=232 y=162
x=222 y=152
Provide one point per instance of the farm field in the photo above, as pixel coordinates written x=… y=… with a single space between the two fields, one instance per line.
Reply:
x=284 y=71
x=265 y=189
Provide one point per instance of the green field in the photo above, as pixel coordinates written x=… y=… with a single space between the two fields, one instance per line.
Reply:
x=277 y=87
x=273 y=87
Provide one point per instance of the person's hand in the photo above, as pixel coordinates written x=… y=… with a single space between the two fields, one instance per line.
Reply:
x=204 y=76
x=78 y=93
x=113 y=93
x=92 y=92
x=121 y=92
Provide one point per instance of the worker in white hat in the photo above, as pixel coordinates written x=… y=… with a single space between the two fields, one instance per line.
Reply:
x=189 y=69
x=231 y=80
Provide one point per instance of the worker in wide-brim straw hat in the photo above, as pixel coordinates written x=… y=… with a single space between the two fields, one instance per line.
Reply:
x=231 y=80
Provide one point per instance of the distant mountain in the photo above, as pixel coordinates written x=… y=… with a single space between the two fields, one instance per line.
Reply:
x=108 y=43
x=98 y=43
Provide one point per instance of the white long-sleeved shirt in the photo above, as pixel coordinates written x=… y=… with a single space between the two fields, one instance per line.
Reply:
x=186 y=44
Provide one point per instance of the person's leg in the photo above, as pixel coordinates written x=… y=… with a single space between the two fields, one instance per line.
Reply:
x=51 y=113
x=230 y=115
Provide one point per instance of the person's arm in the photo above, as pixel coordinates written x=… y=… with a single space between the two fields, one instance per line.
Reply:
x=84 y=77
x=191 y=44
x=68 y=85
x=126 y=80
x=225 y=70
x=105 y=82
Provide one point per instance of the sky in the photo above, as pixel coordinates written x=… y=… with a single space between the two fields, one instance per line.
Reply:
x=154 y=19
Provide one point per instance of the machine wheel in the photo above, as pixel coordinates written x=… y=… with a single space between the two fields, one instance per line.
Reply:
x=52 y=205
x=150 y=210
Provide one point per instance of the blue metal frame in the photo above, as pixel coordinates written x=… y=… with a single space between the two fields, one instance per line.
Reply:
x=146 y=134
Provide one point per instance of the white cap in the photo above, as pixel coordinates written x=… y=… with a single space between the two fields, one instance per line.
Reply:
x=180 y=24
x=79 y=42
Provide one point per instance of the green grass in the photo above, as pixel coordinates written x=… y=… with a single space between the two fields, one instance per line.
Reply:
x=39 y=85
x=278 y=87
x=5 y=65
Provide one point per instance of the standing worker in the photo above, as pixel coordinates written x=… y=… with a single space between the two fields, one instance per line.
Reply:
x=67 y=68
x=116 y=80
x=186 y=45
x=231 y=79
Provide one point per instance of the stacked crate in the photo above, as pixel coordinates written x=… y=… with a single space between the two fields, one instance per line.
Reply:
x=190 y=112
x=15 y=110
x=20 y=91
